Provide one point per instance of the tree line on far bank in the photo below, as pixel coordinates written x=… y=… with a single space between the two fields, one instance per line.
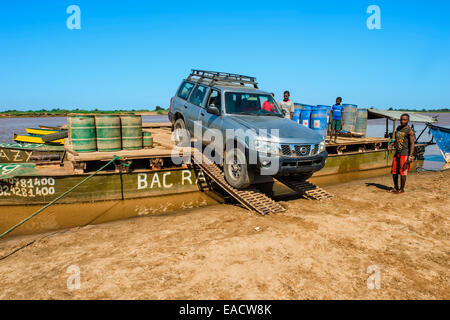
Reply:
x=59 y=111
x=420 y=110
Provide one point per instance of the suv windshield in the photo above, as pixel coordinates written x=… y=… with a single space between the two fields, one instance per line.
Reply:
x=253 y=104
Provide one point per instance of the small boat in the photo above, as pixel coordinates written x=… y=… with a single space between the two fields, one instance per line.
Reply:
x=35 y=139
x=52 y=128
x=39 y=131
x=442 y=137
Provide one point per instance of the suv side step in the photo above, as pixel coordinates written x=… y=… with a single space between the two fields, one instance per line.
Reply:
x=309 y=190
x=251 y=198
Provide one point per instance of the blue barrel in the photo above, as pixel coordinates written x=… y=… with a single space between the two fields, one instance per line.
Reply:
x=319 y=120
x=361 y=121
x=328 y=109
x=305 y=115
x=297 y=115
x=349 y=117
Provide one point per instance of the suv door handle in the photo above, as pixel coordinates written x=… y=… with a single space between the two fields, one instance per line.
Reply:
x=185 y=106
x=202 y=113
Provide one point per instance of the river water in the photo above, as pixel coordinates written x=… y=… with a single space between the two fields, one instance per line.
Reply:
x=375 y=128
x=433 y=156
x=9 y=126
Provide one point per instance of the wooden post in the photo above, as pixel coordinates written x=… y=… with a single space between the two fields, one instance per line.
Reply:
x=393 y=129
x=386 y=135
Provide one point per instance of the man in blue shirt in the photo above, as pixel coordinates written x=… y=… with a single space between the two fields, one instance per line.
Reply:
x=337 y=118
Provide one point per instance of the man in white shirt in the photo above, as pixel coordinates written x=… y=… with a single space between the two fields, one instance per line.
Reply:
x=287 y=105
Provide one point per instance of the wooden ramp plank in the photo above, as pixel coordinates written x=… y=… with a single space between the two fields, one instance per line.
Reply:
x=309 y=190
x=251 y=198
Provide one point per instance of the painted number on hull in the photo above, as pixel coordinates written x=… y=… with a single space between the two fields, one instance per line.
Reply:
x=27 y=187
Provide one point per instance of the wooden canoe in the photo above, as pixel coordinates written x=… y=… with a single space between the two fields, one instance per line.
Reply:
x=32 y=139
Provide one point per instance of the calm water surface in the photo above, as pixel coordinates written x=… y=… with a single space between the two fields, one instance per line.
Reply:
x=433 y=156
x=9 y=126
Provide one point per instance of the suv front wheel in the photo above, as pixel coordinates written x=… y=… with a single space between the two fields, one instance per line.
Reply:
x=236 y=169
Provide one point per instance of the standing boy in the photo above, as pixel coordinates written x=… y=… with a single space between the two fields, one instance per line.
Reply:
x=337 y=120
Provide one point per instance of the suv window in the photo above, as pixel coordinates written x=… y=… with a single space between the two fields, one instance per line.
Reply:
x=185 y=90
x=214 y=98
x=254 y=104
x=198 y=96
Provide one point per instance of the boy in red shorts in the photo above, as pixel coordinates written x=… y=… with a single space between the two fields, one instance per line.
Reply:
x=404 y=153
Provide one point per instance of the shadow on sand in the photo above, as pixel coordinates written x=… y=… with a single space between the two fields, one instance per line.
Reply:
x=379 y=186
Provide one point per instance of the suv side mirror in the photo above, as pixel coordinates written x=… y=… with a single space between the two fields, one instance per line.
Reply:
x=284 y=112
x=213 y=109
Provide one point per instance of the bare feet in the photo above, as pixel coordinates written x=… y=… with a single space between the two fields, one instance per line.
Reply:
x=399 y=192
x=393 y=190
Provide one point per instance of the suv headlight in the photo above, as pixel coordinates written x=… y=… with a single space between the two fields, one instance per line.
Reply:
x=266 y=147
x=322 y=147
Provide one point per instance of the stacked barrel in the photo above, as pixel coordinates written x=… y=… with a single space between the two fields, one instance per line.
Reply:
x=107 y=132
x=349 y=117
x=355 y=119
x=361 y=121
x=318 y=117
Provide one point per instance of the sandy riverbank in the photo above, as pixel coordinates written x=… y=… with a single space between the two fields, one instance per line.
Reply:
x=315 y=250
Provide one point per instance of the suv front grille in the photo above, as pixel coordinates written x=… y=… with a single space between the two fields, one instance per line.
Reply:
x=302 y=150
x=286 y=150
x=297 y=150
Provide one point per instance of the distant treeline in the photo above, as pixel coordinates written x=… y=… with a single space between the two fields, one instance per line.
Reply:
x=59 y=111
x=420 y=110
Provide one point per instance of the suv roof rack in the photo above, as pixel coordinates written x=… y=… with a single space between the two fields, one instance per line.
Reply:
x=224 y=77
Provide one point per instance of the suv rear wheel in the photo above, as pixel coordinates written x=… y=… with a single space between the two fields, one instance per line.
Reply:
x=236 y=170
x=179 y=132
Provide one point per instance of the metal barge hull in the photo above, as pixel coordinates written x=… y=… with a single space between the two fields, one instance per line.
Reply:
x=119 y=197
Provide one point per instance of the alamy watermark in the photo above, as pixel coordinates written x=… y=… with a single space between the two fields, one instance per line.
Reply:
x=233 y=147
x=374 y=20
x=74 y=20
x=74 y=280
x=374 y=280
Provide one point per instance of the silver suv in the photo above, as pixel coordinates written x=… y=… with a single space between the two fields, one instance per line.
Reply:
x=218 y=102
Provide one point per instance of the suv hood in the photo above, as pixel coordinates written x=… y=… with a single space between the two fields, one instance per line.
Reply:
x=289 y=131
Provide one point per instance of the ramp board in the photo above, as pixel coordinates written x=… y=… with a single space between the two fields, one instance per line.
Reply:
x=251 y=198
x=309 y=190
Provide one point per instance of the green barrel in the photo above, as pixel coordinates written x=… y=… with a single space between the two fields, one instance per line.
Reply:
x=349 y=117
x=131 y=132
x=361 y=121
x=82 y=133
x=147 y=139
x=108 y=132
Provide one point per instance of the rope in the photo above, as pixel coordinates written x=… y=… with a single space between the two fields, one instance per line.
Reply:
x=58 y=198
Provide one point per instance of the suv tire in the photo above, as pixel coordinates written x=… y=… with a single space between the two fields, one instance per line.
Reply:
x=236 y=170
x=179 y=131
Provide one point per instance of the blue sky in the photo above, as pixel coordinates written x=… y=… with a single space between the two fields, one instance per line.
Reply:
x=133 y=54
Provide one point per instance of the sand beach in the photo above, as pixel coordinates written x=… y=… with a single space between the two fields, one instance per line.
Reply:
x=314 y=250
